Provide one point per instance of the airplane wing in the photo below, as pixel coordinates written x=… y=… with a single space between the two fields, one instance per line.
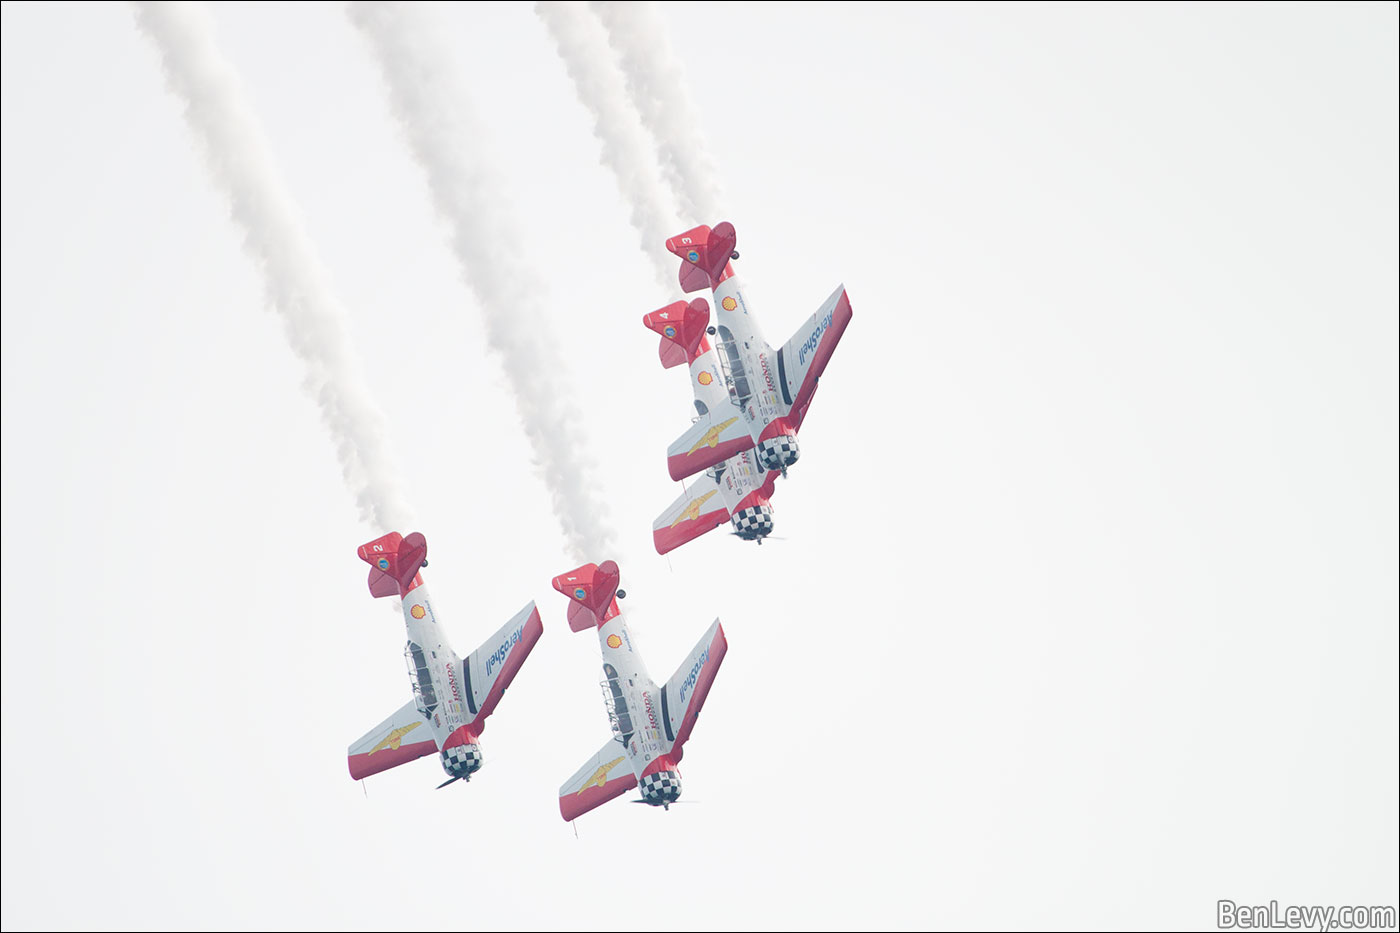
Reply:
x=488 y=671
x=685 y=692
x=803 y=358
x=394 y=741
x=604 y=776
x=711 y=499
x=699 y=509
x=715 y=437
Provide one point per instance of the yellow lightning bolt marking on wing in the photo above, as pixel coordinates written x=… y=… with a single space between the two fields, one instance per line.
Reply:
x=711 y=438
x=692 y=511
x=392 y=740
x=600 y=777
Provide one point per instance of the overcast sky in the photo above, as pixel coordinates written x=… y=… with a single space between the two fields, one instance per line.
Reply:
x=1084 y=608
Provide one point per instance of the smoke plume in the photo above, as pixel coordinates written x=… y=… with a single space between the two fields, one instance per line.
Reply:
x=657 y=88
x=628 y=150
x=443 y=136
x=241 y=165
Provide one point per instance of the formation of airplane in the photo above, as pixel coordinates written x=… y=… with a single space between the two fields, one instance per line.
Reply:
x=750 y=400
x=650 y=724
x=451 y=698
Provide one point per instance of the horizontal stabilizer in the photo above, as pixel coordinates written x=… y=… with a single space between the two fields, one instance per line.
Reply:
x=381 y=584
x=580 y=618
x=604 y=776
x=672 y=354
x=401 y=738
x=715 y=437
x=693 y=278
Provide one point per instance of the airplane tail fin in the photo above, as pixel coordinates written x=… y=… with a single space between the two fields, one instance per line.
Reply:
x=394 y=560
x=592 y=591
x=682 y=329
x=705 y=253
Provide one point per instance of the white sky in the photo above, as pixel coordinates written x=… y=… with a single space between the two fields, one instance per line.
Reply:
x=1086 y=608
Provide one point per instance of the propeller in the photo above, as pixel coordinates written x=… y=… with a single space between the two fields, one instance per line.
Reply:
x=448 y=781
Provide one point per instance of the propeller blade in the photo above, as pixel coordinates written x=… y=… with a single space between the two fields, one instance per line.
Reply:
x=449 y=781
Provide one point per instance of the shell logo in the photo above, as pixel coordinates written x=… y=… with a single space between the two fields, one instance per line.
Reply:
x=383 y=563
x=580 y=593
x=418 y=612
x=705 y=378
x=729 y=303
x=614 y=641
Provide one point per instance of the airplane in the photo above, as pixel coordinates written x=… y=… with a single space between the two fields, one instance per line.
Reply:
x=750 y=400
x=650 y=724
x=451 y=697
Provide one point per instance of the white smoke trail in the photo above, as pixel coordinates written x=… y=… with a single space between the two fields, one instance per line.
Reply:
x=657 y=87
x=443 y=136
x=627 y=149
x=238 y=158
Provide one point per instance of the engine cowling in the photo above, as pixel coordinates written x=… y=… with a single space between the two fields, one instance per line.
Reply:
x=461 y=761
x=778 y=452
x=660 y=788
x=753 y=523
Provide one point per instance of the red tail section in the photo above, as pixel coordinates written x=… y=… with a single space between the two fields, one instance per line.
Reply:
x=394 y=562
x=682 y=329
x=591 y=589
x=707 y=250
x=693 y=278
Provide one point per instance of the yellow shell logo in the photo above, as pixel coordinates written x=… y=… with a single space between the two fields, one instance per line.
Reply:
x=614 y=641
x=417 y=612
x=705 y=378
x=729 y=304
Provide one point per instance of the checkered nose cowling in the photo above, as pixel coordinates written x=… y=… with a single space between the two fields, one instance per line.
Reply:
x=778 y=452
x=753 y=523
x=661 y=788
x=461 y=761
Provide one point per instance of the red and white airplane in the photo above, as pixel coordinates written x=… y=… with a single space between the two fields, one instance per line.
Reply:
x=650 y=724
x=750 y=398
x=451 y=697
